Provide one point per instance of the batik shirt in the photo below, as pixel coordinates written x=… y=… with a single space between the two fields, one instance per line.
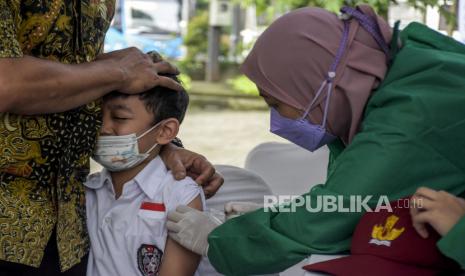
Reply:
x=45 y=159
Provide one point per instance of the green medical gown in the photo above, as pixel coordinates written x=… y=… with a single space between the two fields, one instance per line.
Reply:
x=413 y=134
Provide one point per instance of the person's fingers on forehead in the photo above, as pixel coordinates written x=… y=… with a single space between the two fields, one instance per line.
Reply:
x=164 y=67
x=154 y=56
x=168 y=83
x=147 y=57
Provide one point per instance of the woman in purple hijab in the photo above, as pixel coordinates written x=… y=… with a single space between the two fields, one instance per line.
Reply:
x=393 y=119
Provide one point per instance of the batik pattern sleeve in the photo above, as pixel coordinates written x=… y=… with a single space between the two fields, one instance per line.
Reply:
x=9 y=45
x=44 y=159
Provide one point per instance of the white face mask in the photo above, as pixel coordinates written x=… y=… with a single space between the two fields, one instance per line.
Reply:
x=119 y=153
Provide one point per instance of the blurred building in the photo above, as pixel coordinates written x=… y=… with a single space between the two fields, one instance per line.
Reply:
x=431 y=17
x=150 y=25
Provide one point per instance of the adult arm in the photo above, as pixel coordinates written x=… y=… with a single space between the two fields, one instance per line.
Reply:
x=30 y=85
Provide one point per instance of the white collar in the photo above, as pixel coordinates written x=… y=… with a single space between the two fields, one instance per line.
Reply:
x=151 y=177
x=148 y=179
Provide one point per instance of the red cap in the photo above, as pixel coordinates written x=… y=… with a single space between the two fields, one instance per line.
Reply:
x=385 y=244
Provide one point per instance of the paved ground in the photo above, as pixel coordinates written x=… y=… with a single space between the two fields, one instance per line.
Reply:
x=225 y=137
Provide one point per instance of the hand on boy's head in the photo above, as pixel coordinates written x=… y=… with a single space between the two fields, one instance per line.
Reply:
x=439 y=209
x=140 y=72
x=155 y=56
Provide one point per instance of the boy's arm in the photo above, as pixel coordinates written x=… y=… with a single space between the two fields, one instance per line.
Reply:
x=178 y=260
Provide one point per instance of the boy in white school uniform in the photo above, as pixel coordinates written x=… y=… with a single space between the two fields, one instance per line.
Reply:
x=128 y=200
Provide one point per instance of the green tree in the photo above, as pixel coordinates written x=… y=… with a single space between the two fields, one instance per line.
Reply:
x=264 y=6
x=449 y=12
x=197 y=45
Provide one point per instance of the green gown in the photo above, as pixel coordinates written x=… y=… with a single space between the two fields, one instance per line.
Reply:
x=413 y=134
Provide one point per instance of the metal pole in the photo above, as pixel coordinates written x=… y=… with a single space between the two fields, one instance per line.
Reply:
x=185 y=9
x=213 y=65
x=235 y=32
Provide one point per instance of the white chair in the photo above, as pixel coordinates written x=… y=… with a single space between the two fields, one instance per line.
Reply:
x=239 y=185
x=287 y=168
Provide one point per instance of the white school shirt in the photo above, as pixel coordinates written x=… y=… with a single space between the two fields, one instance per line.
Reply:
x=128 y=235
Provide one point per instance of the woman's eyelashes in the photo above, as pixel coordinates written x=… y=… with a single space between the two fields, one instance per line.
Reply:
x=271 y=103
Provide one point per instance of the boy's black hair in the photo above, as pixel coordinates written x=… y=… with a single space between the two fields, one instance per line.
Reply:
x=162 y=102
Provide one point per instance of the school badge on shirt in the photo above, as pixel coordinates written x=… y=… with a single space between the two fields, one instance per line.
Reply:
x=149 y=259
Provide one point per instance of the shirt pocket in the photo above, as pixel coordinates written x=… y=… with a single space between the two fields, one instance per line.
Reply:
x=148 y=223
x=145 y=230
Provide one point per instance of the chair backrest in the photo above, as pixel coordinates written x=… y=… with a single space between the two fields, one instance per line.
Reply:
x=239 y=185
x=287 y=168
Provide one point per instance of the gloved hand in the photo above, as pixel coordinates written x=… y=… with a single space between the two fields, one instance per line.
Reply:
x=237 y=208
x=191 y=227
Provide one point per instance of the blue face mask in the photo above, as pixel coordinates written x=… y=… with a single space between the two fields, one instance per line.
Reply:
x=302 y=132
